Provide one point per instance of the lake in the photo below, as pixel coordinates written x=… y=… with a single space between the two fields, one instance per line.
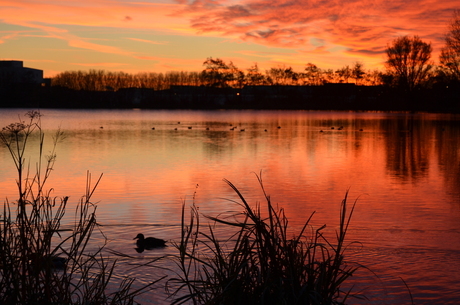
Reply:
x=403 y=169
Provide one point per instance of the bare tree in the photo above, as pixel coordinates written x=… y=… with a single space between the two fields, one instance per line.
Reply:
x=409 y=61
x=217 y=73
x=237 y=76
x=344 y=74
x=328 y=76
x=254 y=77
x=283 y=76
x=313 y=75
x=450 y=53
x=357 y=73
x=373 y=78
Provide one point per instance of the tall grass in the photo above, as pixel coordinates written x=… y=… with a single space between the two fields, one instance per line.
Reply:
x=40 y=263
x=261 y=263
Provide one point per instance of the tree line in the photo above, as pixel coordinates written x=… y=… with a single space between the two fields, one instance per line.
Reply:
x=218 y=74
x=408 y=66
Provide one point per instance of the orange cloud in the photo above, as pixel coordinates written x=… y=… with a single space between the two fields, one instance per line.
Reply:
x=77 y=42
x=101 y=64
x=328 y=33
x=148 y=41
x=361 y=27
x=70 y=21
x=95 y=13
x=7 y=37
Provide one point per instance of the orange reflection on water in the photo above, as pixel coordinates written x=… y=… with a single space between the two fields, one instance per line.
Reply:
x=403 y=169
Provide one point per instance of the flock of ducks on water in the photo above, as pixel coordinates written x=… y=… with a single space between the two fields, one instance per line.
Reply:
x=340 y=128
x=145 y=243
x=243 y=129
x=149 y=243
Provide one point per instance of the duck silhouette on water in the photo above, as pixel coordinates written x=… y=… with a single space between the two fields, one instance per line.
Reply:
x=47 y=262
x=148 y=243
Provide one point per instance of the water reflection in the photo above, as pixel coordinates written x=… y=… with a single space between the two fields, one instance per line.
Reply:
x=409 y=147
x=447 y=147
x=405 y=169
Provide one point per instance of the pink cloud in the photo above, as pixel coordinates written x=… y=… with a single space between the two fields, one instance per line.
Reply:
x=149 y=41
x=319 y=31
x=57 y=20
x=76 y=41
x=101 y=64
x=362 y=27
x=7 y=37
x=136 y=15
x=156 y=58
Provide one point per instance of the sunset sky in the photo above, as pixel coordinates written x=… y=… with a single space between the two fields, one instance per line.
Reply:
x=178 y=35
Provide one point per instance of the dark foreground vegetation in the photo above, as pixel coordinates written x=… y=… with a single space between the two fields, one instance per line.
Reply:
x=264 y=262
x=41 y=260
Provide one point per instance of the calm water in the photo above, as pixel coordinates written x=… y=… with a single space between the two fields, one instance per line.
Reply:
x=404 y=169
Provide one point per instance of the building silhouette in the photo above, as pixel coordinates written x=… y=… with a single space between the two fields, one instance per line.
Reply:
x=20 y=86
x=13 y=72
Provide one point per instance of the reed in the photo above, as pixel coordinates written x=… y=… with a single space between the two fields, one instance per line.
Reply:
x=261 y=263
x=40 y=262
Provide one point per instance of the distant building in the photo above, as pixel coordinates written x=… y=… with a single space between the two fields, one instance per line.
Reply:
x=13 y=72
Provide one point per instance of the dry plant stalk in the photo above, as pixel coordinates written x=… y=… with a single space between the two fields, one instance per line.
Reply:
x=260 y=264
x=38 y=264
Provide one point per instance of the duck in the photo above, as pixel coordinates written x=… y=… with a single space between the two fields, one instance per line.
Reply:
x=149 y=242
x=58 y=263
x=53 y=262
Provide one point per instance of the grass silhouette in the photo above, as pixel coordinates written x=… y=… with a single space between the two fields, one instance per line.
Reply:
x=40 y=263
x=260 y=263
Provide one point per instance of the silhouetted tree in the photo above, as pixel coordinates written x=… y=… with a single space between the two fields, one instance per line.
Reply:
x=450 y=53
x=283 y=76
x=357 y=73
x=238 y=77
x=313 y=75
x=408 y=62
x=217 y=73
x=328 y=76
x=254 y=77
x=344 y=74
x=373 y=78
